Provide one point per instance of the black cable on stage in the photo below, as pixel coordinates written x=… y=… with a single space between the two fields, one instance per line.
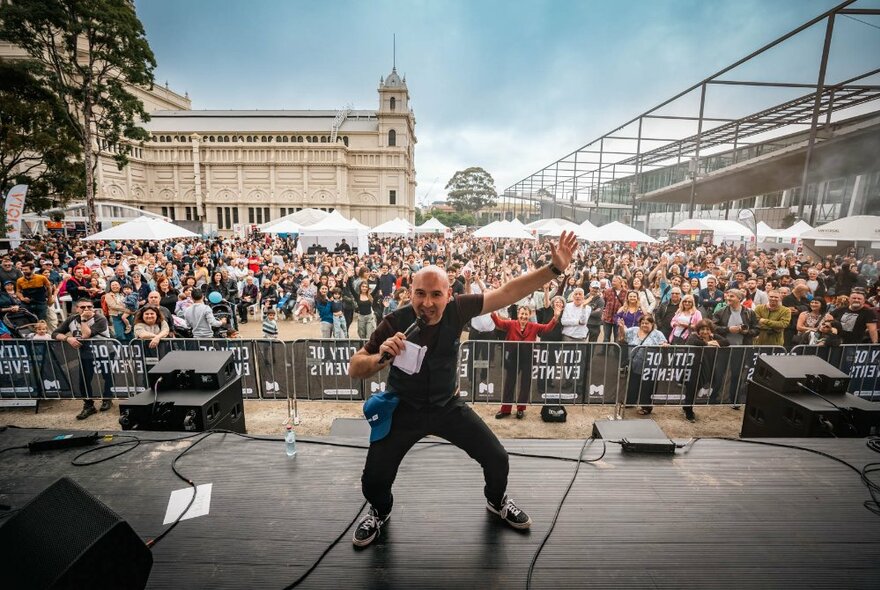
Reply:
x=12 y=448
x=579 y=460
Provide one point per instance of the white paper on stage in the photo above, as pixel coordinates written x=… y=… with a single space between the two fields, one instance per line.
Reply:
x=180 y=498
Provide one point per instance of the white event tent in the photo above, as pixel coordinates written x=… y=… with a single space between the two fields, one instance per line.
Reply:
x=307 y=216
x=543 y=226
x=394 y=227
x=503 y=230
x=795 y=231
x=858 y=228
x=143 y=228
x=619 y=232
x=333 y=229
x=722 y=229
x=431 y=226
x=285 y=226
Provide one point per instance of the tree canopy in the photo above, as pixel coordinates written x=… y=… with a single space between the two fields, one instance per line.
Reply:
x=87 y=55
x=471 y=190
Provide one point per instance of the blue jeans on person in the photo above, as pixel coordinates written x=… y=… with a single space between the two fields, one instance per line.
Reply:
x=340 y=328
x=119 y=329
x=41 y=310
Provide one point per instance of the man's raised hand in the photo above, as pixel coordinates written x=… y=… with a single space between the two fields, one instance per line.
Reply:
x=563 y=253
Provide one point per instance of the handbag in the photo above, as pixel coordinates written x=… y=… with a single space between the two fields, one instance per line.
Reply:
x=553 y=413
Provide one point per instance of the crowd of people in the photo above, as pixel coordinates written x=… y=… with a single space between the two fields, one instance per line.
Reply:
x=667 y=293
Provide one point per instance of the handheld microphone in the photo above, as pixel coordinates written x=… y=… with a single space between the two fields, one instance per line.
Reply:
x=411 y=331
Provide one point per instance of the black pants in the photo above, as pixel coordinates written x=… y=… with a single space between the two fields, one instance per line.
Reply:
x=455 y=422
x=517 y=366
x=481 y=349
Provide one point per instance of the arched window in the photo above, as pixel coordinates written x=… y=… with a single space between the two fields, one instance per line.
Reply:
x=299 y=138
x=345 y=140
x=392 y=138
x=314 y=139
x=323 y=139
x=393 y=103
x=263 y=139
x=283 y=139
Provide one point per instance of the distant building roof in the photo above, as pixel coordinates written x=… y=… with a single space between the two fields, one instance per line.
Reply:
x=257 y=121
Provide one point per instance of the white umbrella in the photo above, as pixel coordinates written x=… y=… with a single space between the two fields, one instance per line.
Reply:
x=620 y=232
x=858 y=228
x=143 y=228
x=503 y=230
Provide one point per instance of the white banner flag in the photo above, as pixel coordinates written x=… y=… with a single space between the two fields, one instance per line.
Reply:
x=14 y=211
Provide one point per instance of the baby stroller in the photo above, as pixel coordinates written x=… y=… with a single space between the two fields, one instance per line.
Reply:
x=181 y=328
x=221 y=308
x=20 y=323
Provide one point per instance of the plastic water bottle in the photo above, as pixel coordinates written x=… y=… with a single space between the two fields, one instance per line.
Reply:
x=290 y=441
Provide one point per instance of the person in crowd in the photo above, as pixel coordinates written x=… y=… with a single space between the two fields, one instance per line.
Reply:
x=859 y=323
x=35 y=291
x=703 y=373
x=8 y=272
x=340 y=328
x=828 y=334
x=149 y=324
x=139 y=287
x=614 y=298
x=9 y=301
x=168 y=295
x=200 y=318
x=710 y=297
x=647 y=299
x=686 y=317
x=809 y=321
x=325 y=311
x=114 y=305
x=636 y=338
x=85 y=324
x=773 y=319
x=304 y=306
x=518 y=357
x=270 y=326
x=738 y=325
x=250 y=296
x=596 y=303
x=754 y=295
x=366 y=318
x=574 y=318
x=667 y=310
x=798 y=302
x=76 y=287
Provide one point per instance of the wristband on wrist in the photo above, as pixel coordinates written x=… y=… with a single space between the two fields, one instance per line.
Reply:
x=554 y=270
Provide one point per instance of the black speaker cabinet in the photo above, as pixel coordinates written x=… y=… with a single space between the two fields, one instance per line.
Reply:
x=185 y=410
x=769 y=413
x=65 y=539
x=193 y=369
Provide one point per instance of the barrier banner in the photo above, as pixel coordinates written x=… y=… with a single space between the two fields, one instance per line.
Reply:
x=242 y=351
x=320 y=370
x=273 y=366
x=539 y=372
x=860 y=361
x=19 y=369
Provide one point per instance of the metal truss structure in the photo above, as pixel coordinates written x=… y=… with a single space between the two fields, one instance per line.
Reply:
x=610 y=170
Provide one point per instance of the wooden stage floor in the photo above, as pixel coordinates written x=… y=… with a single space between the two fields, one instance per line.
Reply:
x=720 y=514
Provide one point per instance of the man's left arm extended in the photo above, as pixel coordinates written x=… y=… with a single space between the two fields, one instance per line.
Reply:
x=515 y=289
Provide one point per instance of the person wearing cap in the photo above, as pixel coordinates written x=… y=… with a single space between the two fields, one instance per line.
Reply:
x=428 y=400
x=597 y=306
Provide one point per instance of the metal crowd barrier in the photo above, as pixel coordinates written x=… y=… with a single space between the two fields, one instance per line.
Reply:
x=495 y=371
x=860 y=361
x=49 y=369
x=691 y=375
x=320 y=370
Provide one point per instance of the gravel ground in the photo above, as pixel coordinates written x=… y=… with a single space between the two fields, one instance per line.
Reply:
x=267 y=417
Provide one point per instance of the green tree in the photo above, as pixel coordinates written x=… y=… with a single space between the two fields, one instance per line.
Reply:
x=471 y=190
x=37 y=145
x=453 y=218
x=89 y=54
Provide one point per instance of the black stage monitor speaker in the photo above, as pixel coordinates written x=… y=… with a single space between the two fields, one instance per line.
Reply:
x=193 y=369
x=66 y=538
x=783 y=373
x=770 y=413
x=185 y=410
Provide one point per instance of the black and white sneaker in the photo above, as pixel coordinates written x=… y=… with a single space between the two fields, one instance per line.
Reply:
x=369 y=528
x=510 y=513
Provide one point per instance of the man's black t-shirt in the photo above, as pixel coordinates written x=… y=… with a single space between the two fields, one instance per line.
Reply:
x=854 y=323
x=469 y=307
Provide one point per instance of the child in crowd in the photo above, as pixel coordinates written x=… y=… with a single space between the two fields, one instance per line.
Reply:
x=270 y=326
x=340 y=327
x=130 y=301
x=41 y=331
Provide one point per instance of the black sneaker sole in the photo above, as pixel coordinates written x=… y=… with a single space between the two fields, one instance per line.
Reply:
x=517 y=525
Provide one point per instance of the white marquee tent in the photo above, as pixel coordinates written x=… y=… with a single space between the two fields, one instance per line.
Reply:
x=301 y=218
x=285 y=226
x=333 y=229
x=503 y=230
x=394 y=227
x=431 y=226
x=620 y=232
x=858 y=228
x=143 y=228
x=795 y=231
x=722 y=229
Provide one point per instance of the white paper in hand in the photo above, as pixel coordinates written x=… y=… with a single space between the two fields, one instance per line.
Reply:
x=410 y=360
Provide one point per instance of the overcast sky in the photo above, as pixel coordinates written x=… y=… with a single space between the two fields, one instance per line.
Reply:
x=507 y=85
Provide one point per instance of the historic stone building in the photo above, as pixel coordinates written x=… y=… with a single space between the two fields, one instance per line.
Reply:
x=238 y=168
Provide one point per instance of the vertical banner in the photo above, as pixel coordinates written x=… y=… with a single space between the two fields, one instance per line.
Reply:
x=14 y=211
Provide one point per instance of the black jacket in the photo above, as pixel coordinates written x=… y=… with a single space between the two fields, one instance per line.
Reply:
x=750 y=323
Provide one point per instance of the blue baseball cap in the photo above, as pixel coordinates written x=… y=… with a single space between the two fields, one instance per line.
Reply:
x=378 y=411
